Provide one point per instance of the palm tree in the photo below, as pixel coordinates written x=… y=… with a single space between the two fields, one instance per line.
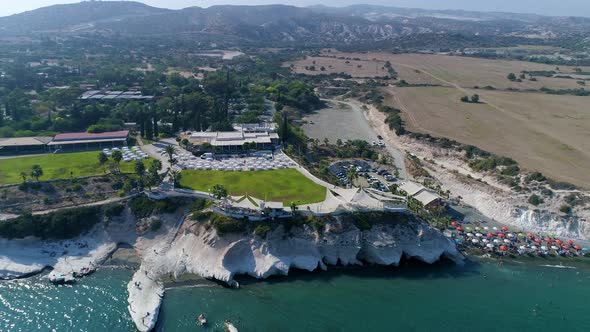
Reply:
x=170 y=151
x=36 y=172
x=117 y=156
x=294 y=208
x=24 y=175
x=352 y=175
x=175 y=176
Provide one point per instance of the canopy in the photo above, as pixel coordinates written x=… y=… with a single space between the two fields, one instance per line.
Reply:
x=505 y=229
x=459 y=229
x=455 y=224
x=501 y=235
x=475 y=240
x=577 y=247
x=489 y=245
x=503 y=248
x=490 y=235
x=570 y=241
x=520 y=235
x=529 y=234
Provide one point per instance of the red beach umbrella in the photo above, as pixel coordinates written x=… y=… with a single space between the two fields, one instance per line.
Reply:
x=538 y=240
x=548 y=239
x=505 y=229
x=503 y=248
x=577 y=247
x=570 y=241
x=530 y=235
x=501 y=235
x=459 y=229
x=566 y=247
x=455 y=224
x=490 y=235
x=558 y=241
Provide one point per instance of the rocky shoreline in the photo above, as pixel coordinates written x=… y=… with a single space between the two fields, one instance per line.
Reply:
x=182 y=247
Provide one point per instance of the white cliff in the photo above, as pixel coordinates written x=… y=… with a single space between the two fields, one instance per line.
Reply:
x=194 y=249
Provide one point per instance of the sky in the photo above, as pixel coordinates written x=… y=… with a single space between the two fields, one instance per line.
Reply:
x=545 y=7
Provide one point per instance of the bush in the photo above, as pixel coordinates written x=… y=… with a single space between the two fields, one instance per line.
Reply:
x=361 y=221
x=113 y=210
x=535 y=200
x=261 y=230
x=143 y=207
x=565 y=209
x=225 y=225
x=155 y=225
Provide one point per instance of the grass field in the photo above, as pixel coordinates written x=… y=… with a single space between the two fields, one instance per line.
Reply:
x=357 y=69
x=55 y=166
x=286 y=185
x=542 y=132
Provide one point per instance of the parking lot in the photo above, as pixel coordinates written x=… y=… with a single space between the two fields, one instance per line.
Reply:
x=369 y=175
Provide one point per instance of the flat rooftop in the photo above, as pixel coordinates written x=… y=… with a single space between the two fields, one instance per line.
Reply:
x=24 y=141
x=112 y=135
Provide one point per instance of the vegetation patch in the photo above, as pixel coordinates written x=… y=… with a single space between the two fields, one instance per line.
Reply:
x=143 y=207
x=63 y=224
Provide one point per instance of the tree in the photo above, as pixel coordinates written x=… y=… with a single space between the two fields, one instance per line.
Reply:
x=175 y=176
x=535 y=200
x=352 y=174
x=326 y=141
x=219 y=191
x=139 y=168
x=511 y=76
x=155 y=167
x=475 y=98
x=36 y=172
x=170 y=151
x=117 y=157
x=24 y=175
x=465 y=99
x=102 y=160
x=339 y=142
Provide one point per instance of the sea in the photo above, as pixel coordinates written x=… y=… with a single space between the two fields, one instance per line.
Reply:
x=482 y=295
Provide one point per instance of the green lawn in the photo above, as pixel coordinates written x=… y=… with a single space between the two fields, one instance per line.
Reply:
x=285 y=185
x=56 y=166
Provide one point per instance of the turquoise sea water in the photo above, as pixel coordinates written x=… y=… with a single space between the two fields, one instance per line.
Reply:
x=478 y=297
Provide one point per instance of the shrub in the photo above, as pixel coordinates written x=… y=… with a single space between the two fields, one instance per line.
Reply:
x=155 y=224
x=114 y=210
x=535 y=200
x=261 y=230
x=565 y=209
x=225 y=225
x=143 y=207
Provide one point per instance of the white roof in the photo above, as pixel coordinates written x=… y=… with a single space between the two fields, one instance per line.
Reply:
x=274 y=205
x=411 y=188
x=426 y=197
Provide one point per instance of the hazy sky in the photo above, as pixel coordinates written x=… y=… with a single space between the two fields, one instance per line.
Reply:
x=548 y=7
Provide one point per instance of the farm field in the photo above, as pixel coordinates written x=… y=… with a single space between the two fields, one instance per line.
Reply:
x=542 y=132
x=448 y=70
x=285 y=185
x=356 y=69
x=56 y=166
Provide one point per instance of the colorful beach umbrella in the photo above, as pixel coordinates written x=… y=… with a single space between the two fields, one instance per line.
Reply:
x=520 y=235
x=506 y=241
x=485 y=240
x=510 y=235
x=468 y=228
x=529 y=234
x=522 y=248
x=543 y=248
x=489 y=245
x=558 y=241
x=475 y=240
x=565 y=247
x=495 y=228
x=469 y=234
x=501 y=235
x=455 y=224
x=554 y=247
x=570 y=241
x=478 y=234
x=503 y=248
x=459 y=229
x=577 y=247
x=505 y=229
x=490 y=235
x=486 y=228
x=538 y=241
